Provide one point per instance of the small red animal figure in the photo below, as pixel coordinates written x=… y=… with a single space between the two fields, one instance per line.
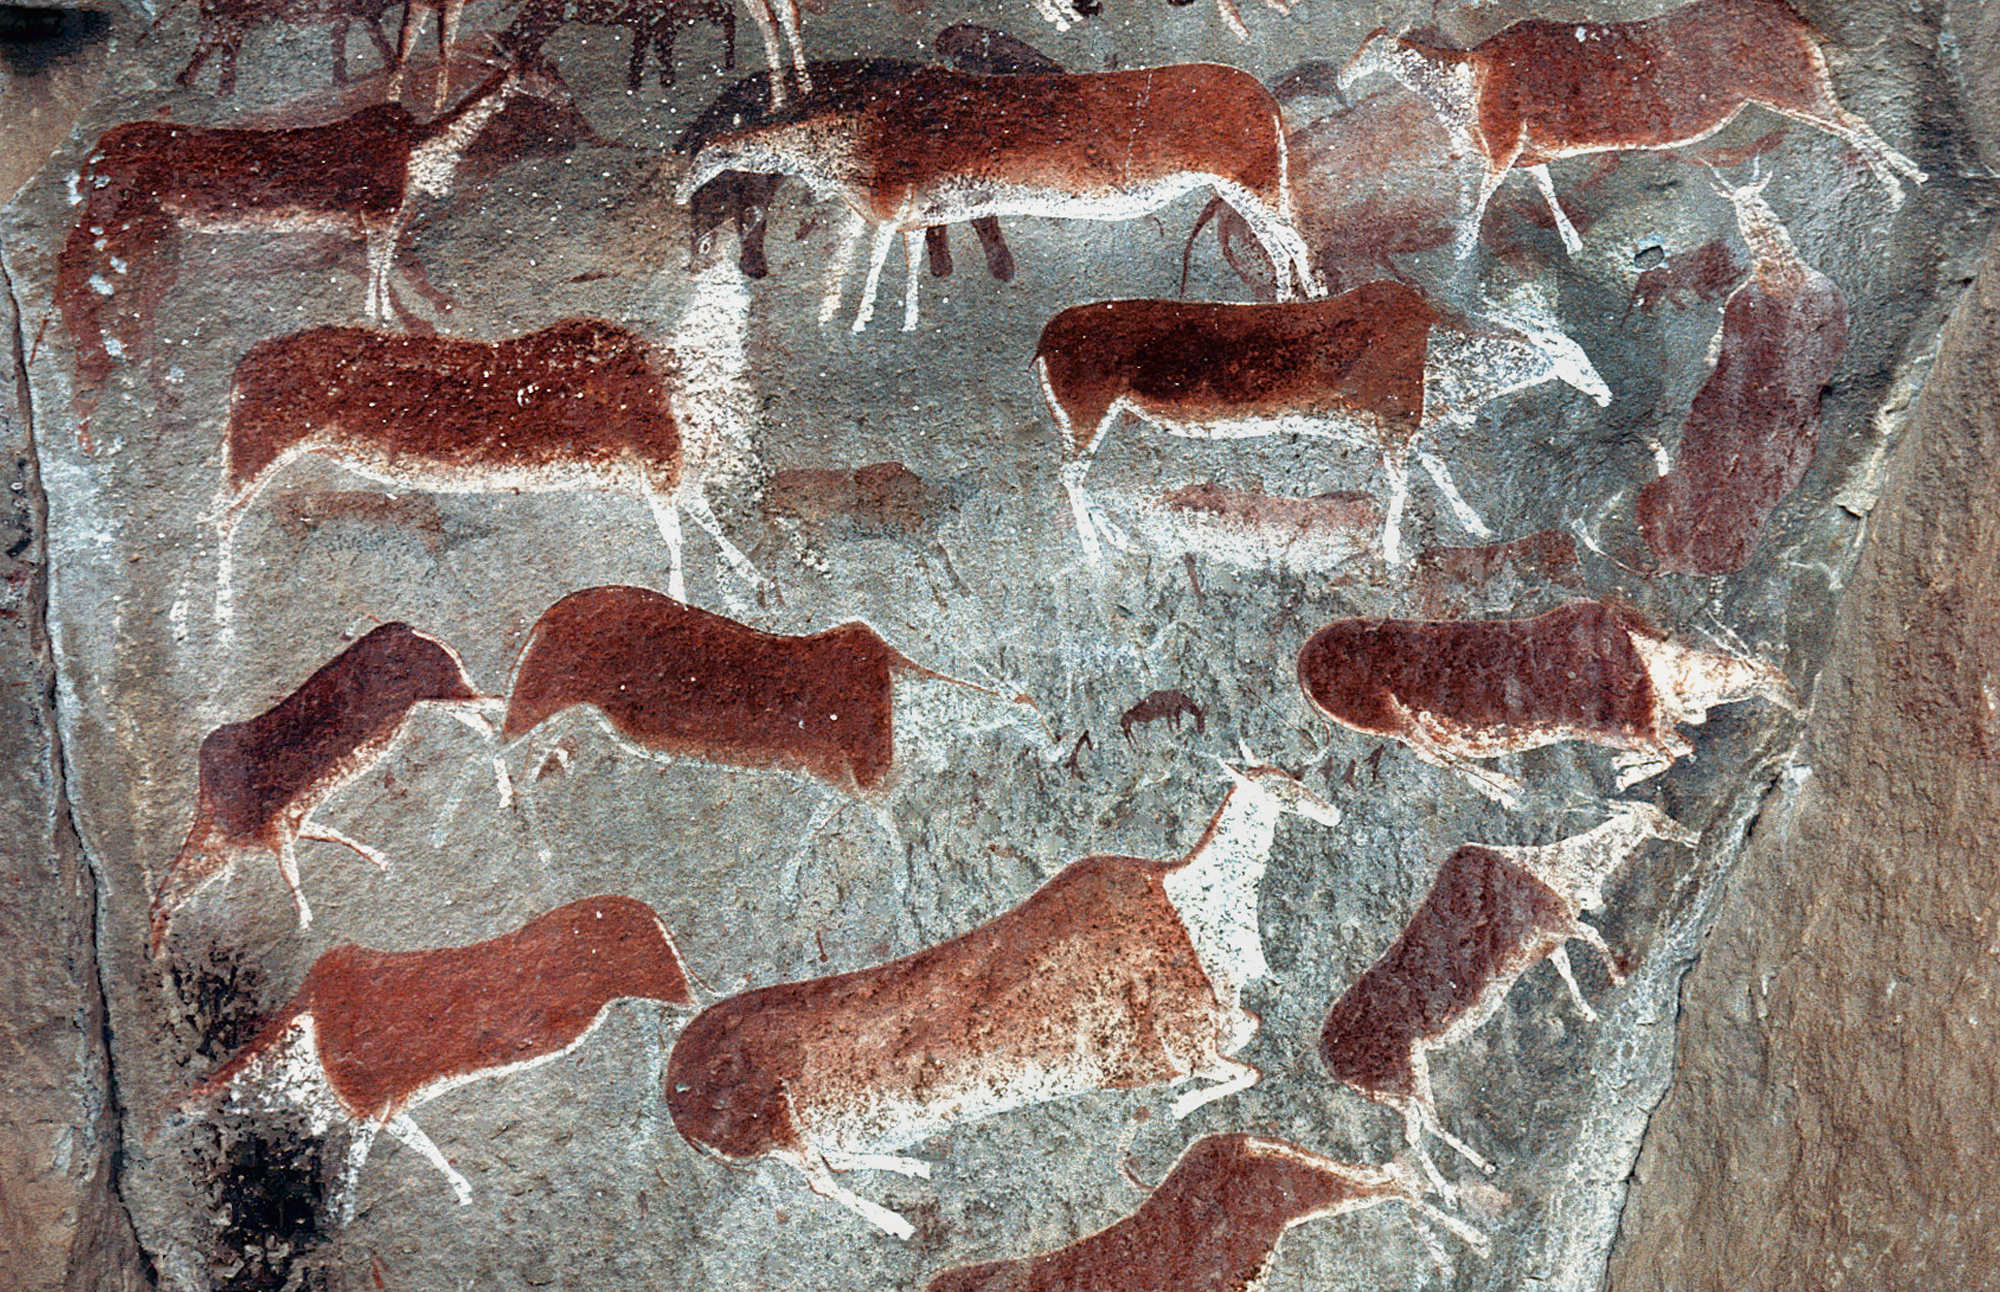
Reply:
x=1116 y=974
x=579 y=404
x=1213 y=1225
x=371 y=1034
x=262 y=778
x=357 y=177
x=1493 y=914
x=1459 y=690
x=225 y=24
x=937 y=146
x=1379 y=360
x=1540 y=91
x=1751 y=433
x=1170 y=705
x=1708 y=273
x=674 y=680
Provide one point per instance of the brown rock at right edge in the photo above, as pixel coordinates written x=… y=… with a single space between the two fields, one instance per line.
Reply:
x=1831 y=1121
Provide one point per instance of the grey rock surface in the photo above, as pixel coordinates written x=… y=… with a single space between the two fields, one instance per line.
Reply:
x=577 y=1175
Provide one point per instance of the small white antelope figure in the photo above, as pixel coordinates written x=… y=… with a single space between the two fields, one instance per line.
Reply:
x=1540 y=91
x=939 y=146
x=1116 y=974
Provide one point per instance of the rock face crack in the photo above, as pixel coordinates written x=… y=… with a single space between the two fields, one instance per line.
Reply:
x=105 y=1252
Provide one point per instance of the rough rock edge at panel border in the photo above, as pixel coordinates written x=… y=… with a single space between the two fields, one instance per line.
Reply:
x=106 y=1253
x=1576 y=1251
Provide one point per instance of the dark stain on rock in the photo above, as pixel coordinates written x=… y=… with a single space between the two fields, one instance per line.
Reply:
x=266 y=1181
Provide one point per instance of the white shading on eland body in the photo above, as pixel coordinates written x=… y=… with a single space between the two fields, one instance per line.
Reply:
x=1118 y=973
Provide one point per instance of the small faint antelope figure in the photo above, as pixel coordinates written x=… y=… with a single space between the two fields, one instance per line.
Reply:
x=1120 y=973
x=654 y=25
x=1540 y=91
x=1493 y=914
x=1214 y=1224
x=262 y=779
x=937 y=146
x=371 y=1034
x=1750 y=436
x=1370 y=183
x=226 y=23
x=357 y=178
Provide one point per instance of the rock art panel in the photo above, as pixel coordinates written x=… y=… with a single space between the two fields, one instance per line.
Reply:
x=1456 y=691
x=1380 y=361
x=654 y=24
x=678 y=681
x=1213 y=1225
x=951 y=146
x=580 y=403
x=147 y=179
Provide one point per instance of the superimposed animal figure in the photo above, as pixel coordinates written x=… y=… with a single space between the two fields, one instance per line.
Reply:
x=226 y=23
x=1493 y=914
x=676 y=681
x=1751 y=433
x=261 y=779
x=1370 y=183
x=654 y=25
x=1118 y=973
x=1213 y=1225
x=371 y=1034
x=579 y=404
x=1540 y=91
x=1380 y=361
x=357 y=178
x=1459 y=690
x=938 y=146
x=743 y=199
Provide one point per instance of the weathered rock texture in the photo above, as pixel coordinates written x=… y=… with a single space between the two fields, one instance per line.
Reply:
x=62 y=1224
x=1831 y=1120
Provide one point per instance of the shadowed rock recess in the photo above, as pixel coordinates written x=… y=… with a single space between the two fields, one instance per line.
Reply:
x=1394 y=687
